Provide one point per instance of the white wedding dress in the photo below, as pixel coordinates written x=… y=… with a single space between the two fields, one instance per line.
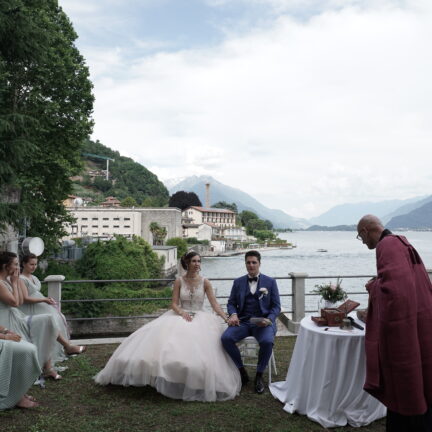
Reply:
x=181 y=359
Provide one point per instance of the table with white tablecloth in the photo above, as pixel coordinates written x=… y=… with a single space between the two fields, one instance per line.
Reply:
x=326 y=376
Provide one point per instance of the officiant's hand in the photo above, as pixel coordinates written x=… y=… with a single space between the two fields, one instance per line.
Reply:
x=264 y=323
x=233 y=320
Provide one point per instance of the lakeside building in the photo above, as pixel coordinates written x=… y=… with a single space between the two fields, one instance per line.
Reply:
x=214 y=225
x=100 y=222
x=170 y=259
x=222 y=218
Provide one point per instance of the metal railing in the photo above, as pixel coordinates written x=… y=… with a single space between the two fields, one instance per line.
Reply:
x=291 y=317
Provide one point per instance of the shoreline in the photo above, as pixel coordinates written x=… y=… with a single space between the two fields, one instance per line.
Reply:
x=236 y=252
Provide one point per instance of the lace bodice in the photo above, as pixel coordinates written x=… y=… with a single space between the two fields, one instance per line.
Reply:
x=192 y=294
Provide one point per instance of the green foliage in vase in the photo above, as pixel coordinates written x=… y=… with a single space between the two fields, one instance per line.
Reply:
x=331 y=292
x=45 y=106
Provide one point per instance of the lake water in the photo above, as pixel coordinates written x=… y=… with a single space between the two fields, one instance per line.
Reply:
x=345 y=256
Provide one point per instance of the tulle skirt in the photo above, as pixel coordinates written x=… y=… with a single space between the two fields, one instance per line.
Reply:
x=182 y=360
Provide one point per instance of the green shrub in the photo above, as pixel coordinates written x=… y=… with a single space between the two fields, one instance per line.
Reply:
x=181 y=244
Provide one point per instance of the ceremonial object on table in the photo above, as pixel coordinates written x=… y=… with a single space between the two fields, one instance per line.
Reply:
x=333 y=317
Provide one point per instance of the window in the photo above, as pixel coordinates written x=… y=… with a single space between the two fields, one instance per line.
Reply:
x=116 y=226
x=105 y=218
x=116 y=219
x=127 y=226
x=95 y=226
x=126 y=219
x=105 y=226
x=84 y=219
x=95 y=218
x=84 y=226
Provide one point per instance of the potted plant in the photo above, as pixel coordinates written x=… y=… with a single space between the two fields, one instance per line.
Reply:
x=330 y=293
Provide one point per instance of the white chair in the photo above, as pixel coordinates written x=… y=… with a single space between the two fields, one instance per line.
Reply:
x=249 y=348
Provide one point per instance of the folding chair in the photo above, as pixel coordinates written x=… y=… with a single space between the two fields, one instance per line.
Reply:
x=249 y=348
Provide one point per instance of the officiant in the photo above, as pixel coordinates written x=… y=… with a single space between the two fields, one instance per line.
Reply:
x=398 y=339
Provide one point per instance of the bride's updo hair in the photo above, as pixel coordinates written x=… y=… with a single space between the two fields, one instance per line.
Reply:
x=186 y=258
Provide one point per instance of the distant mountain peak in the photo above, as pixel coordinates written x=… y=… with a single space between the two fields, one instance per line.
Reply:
x=229 y=194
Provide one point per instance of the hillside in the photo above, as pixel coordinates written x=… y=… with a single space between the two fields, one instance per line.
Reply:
x=350 y=213
x=420 y=218
x=222 y=192
x=127 y=178
x=407 y=208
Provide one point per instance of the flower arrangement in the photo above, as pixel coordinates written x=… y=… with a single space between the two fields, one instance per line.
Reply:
x=331 y=292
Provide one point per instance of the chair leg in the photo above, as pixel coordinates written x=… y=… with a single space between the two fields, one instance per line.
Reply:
x=273 y=360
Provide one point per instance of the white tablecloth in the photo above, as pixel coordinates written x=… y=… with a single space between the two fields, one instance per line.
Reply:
x=326 y=376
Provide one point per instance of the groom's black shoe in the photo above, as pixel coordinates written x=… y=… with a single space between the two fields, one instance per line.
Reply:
x=244 y=376
x=259 y=383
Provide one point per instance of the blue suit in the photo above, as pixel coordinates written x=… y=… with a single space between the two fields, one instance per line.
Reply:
x=245 y=305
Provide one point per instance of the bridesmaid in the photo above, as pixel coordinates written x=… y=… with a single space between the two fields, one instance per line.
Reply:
x=39 y=329
x=19 y=369
x=35 y=303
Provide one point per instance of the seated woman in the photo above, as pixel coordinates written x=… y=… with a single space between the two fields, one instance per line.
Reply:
x=38 y=329
x=179 y=353
x=19 y=369
x=35 y=303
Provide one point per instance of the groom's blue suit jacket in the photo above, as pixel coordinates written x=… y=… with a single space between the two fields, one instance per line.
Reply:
x=269 y=303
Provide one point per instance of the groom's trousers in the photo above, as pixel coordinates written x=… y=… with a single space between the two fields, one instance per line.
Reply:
x=263 y=335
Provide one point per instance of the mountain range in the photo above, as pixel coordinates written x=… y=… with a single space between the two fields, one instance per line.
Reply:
x=222 y=192
x=412 y=213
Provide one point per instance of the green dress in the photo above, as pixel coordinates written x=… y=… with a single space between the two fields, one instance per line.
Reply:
x=37 y=329
x=19 y=369
x=34 y=286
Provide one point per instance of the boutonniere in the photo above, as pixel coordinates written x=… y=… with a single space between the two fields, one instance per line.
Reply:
x=263 y=291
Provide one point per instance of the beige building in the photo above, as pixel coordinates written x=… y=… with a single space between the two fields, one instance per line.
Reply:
x=221 y=218
x=107 y=222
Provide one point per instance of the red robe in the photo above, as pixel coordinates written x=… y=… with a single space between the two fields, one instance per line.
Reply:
x=399 y=329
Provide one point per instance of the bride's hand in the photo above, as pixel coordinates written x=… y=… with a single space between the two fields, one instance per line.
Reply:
x=186 y=316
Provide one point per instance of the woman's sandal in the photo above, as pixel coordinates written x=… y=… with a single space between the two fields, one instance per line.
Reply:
x=52 y=374
x=81 y=349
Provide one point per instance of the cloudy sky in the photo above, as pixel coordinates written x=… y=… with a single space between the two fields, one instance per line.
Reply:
x=304 y=104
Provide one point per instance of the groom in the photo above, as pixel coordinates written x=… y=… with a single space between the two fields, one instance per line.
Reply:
x=252 y=296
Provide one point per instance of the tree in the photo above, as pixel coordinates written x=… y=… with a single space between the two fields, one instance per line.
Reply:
x=159 y=233
x=181 y=244
x=129 y=202
x=45 y=106
x=120 y=259
x=255 y=224
x=246 y=216
x=183 y=200
x=264 y=235
x=225 y=205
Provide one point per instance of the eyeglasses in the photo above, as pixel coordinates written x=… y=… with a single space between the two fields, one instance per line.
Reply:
x=359 y=237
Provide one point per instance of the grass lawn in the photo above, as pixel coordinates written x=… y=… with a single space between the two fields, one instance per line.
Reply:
x=76 y=404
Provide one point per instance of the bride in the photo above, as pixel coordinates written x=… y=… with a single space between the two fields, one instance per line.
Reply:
x=179 y=353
